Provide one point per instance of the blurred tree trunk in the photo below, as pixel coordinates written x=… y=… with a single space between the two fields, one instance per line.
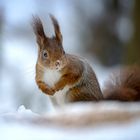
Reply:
x=99 y=36
x=133 y=50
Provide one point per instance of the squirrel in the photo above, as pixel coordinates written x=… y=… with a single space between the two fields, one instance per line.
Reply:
x=69 y=78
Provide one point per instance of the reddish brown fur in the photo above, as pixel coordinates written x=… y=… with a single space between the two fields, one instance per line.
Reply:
x=75 y=71
x=71 y=73
x=125 y=86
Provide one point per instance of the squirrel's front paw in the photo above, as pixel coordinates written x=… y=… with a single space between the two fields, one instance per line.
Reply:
x=49 y=91
x=56 y=88
x=45 y=88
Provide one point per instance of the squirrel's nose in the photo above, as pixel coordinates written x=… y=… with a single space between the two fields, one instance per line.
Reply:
x=57 y=63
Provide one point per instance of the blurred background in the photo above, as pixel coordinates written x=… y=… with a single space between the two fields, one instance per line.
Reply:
x=106 y=32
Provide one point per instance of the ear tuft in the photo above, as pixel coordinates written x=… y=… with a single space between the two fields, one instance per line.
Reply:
x=38 y=27
x=56 y=28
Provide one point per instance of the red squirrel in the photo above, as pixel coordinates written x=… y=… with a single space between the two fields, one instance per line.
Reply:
x=69 y=78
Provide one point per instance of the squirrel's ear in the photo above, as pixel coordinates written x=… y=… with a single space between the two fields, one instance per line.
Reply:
x=38 y=29
x=58 y=34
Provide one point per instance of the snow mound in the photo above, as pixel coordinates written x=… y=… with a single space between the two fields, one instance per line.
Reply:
x=104 y=120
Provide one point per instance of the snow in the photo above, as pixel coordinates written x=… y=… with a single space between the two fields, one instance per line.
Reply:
x=27 y=125
x=37 y=119
x=34 y=133
x=25 y=112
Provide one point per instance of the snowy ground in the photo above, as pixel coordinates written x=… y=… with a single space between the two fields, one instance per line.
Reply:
x=107 y=121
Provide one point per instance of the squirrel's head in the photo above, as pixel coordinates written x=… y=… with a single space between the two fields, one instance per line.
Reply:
x=50 y=50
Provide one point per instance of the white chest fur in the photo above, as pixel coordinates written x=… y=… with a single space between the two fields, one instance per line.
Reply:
x=51 y=77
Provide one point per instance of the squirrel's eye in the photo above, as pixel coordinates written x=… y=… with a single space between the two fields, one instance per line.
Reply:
x=45 y=55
